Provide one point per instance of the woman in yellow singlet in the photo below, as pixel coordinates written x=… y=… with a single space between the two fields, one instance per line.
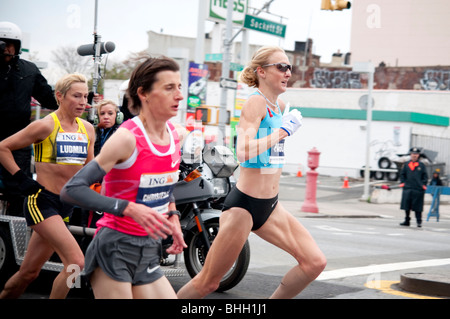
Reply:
x=63 y=143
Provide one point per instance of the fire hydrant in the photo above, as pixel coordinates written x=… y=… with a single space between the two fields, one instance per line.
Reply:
x=310 y=205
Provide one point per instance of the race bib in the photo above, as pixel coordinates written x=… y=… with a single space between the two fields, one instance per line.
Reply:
x=155 y=190
x=71 y=148
x=276 y=154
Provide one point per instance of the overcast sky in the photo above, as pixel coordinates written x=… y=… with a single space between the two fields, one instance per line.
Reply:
x=54 y=23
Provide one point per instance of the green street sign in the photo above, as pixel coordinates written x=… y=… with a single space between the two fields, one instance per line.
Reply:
x=262 y=25
x=236 y=67
x=213 y=57
x=217 y=10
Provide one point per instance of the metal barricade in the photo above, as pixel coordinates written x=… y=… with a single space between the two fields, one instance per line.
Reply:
x=436 y=192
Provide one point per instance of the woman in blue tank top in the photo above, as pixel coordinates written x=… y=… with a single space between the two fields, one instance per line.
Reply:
x=253 y=204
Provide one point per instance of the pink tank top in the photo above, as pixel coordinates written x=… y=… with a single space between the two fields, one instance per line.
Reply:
x=147 y=177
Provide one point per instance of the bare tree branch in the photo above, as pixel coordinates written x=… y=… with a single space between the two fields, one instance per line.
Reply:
x=70 y=61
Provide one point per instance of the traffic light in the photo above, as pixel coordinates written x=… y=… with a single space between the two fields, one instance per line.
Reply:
x=203 y=114
x=337 y=5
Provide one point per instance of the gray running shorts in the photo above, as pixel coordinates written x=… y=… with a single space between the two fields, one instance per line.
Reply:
x=123 y=257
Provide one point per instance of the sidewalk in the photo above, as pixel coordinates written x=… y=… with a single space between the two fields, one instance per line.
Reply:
x=352 y=208
x=348 y=202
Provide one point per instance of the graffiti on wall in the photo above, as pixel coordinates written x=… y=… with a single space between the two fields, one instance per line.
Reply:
x=430 y=79
x=338 y=79
x=436 y=80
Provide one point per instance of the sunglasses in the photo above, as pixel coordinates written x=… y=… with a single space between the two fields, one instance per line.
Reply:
x=283 y=67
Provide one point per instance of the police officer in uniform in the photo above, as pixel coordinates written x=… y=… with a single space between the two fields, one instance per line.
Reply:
x=413 y=179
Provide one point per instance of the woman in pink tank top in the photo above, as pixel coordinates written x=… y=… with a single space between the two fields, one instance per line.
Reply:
x=139 y=166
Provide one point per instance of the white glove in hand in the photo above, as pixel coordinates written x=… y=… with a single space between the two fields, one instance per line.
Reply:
x=292 y=121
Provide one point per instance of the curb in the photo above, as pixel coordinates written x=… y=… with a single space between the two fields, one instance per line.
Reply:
x=427 y=284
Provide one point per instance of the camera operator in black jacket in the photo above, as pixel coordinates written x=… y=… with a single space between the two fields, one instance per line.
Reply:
x=19 y=81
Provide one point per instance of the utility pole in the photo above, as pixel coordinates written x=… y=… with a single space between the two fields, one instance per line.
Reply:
x=225 y=73
x=200 y=41
x=226 y=65
x=367 y=67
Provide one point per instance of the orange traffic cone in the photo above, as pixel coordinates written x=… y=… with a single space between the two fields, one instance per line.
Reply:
x=345 y=183
x=299 y=172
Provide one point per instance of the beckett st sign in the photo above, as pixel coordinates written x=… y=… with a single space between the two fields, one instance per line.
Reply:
x=262 y=25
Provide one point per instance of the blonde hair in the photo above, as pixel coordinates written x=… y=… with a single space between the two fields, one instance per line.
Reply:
x=102 y=103
x=63 y=85
x=259 y=58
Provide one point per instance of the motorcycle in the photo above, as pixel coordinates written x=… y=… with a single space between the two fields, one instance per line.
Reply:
x=199 y=196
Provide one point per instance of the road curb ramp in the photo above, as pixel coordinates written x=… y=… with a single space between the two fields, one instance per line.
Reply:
x=427 y=284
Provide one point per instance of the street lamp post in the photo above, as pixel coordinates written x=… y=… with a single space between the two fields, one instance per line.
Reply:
x=225 y=73
x=367 y=67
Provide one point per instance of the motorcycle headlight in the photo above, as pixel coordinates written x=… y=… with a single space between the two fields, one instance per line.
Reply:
x=220 y=186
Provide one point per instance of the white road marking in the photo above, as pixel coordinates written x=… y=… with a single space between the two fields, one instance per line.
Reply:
x=334 y=229
x=373 y=269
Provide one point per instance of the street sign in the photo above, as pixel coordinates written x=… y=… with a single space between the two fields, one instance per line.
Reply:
x=217 y=11
x=263 y=25
x=228 y=83
x=236 y=67
x=213 y=57
x=218 y=57
x=363 y=67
